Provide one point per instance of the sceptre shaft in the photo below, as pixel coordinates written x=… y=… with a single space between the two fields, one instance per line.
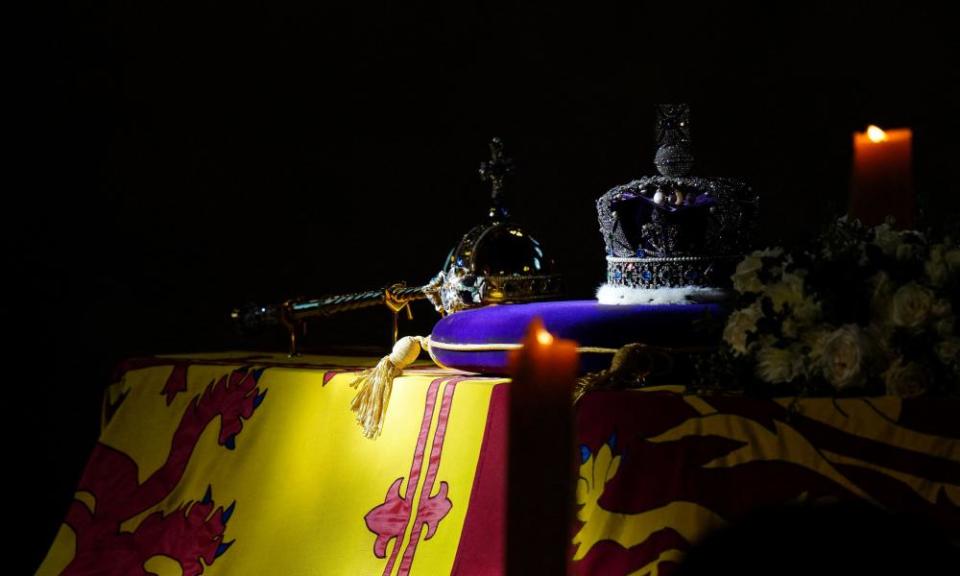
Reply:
x=292 y=313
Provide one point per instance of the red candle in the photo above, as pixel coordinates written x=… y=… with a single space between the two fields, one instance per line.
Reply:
x=882 y=177
x=541 y=468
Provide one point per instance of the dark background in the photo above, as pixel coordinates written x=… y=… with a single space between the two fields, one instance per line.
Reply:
x=172 y=162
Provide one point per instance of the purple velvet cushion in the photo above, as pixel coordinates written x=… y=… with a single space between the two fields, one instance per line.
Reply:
x=585 y=321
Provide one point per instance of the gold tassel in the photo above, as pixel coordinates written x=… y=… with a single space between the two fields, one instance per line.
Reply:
x=375 y=384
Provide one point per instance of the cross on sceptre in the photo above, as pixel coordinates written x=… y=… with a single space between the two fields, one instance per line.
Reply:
x=495 y=171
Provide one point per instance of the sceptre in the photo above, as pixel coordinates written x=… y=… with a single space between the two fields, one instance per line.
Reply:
x=495 y=262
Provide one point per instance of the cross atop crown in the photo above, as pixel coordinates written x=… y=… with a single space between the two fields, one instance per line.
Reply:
x=674 y=155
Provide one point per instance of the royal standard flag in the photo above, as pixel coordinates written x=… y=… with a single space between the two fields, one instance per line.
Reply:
x=254 y=464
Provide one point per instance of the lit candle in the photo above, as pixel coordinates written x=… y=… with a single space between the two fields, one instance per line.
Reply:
x=541 y=468
x=882 y=179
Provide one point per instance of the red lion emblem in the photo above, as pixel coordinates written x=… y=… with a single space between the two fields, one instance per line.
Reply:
x=192 y=532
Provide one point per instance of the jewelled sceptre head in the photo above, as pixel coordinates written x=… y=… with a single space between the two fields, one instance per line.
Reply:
x=495 y=262
x=495 y=171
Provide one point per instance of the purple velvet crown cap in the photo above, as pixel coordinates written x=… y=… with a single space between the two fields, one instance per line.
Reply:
x=584 y=321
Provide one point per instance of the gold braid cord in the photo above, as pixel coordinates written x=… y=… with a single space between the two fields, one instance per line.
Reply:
x=631 y=366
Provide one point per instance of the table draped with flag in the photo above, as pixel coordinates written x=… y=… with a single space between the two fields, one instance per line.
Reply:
x=249 y=463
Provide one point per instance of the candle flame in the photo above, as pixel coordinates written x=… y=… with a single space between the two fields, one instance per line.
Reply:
x=544 y=337
x=875 y=134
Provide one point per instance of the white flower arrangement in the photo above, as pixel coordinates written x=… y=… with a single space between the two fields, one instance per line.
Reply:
x=865 y=310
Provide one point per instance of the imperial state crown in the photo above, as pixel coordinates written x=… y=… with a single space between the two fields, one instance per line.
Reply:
x=674 y=231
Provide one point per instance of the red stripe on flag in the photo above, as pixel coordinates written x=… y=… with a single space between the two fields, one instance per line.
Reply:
x=432 y=509
x=415 y=466
x=481 y=550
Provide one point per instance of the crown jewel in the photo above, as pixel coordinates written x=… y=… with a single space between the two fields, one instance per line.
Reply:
x=675 y=230
x=496 y=261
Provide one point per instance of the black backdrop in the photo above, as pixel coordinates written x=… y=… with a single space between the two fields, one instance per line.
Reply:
x=176 y=161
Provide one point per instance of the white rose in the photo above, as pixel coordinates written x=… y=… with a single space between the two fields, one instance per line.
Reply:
x=905 y=379
x=911 y=307
x=816 y=339
x=788 y=291
x=887 y=239
x=745 y=278
x=936 y=265
x=952 y=258
x=907 y=251
x=807 y=311
x=790 y=327
x=881 y=297
x=944 y=327
x=936 y=272
x=842 y=355
x=941 y=308
x=775 y=252
x=949 y=350
x=741 y=323
x=777 y=365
